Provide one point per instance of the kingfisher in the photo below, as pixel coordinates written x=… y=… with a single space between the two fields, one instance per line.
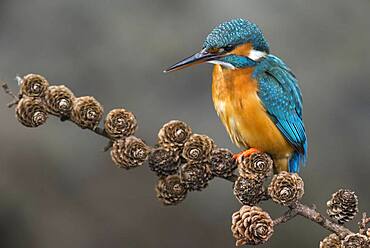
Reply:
x=255 y=94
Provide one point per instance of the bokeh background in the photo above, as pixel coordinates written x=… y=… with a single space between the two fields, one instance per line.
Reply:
x=57 y=187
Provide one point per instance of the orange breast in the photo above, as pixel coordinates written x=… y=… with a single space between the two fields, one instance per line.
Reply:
x=234 y=94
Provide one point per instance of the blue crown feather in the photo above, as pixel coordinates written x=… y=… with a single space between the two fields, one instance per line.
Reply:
x=236 y=32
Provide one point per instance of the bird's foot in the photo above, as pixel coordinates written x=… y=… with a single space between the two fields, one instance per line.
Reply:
x=239 y=156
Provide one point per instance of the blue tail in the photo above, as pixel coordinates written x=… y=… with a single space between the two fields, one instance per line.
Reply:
x=297 y=159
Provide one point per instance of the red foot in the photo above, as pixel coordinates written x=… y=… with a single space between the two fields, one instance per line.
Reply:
x=245 y=153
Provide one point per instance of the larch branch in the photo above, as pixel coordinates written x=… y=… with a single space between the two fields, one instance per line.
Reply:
x=295 y=209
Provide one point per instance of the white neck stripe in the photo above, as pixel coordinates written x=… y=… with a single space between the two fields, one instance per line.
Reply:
x=256 y=55
x=225 y=64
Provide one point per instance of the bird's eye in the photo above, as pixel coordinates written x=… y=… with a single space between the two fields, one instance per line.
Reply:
x=221 y=50
x=214 y=50
x=228 y=48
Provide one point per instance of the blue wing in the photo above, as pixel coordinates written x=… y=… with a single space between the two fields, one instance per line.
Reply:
x=282 y=99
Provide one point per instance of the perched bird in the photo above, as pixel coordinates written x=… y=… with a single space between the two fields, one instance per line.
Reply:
x=255 y=93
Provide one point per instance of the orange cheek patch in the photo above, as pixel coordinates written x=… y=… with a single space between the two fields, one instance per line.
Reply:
x=242 y=50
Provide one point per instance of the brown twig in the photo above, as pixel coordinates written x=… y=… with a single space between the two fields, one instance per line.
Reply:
x=288 y=215
x=108 y=146
x=97 y=130
x=363 y=224
x=295 y=209
x=310 y=213
x=100 y=131
x=315 y=216
x=9 y=92
x=231 y=178
x=265 y=196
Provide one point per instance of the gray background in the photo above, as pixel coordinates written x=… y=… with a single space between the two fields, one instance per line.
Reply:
x=57 y=187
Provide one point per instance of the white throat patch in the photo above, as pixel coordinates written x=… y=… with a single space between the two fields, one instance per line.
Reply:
x=256 y=55
x=225 y=64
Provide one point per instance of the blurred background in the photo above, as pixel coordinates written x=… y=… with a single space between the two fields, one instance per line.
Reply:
x=57 y=187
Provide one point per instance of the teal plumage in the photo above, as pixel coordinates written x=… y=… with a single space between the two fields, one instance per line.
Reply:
x=236 y=32
x=282 y=99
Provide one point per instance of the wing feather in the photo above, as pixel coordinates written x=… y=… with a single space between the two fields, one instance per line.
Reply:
x=282 y=99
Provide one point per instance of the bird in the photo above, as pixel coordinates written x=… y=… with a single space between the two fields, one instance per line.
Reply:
x=255 y=94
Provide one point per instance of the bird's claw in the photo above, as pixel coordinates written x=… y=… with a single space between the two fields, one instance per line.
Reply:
x=239 y=156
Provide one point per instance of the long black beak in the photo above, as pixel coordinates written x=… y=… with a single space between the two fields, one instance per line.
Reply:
x=198 y=58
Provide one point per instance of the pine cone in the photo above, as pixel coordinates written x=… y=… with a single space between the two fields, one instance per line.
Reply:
x=331 y=241
x=259 y=164
x=198 y=148
x=252 y=226
x=248 y=190
x=164 y=162
x=286 y=188
x=129 y=152
x=33 y=85
x=174 y=134
x=170 y=190
x=195 y=175
x=356 y=240
x=31 y=112
x=87 y=112
x=120 y=123
x=343 y=205
x=222 y=163
x=59 y=100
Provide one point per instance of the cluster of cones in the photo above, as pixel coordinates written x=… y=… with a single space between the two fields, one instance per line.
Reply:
x=38 y=99
x=251 y=225
x=353 y=240
x=343 y=207
x=185 y=161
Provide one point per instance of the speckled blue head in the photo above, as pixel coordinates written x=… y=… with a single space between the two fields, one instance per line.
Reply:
x=234 y=33
x=233 y=44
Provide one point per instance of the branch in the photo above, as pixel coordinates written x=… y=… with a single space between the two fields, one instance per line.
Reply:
x=8 y=91
x=288 y=215
x=100 y=131
x=232 y=178
x=315 y=216
x=363 y=224
x=186 y=162
x=311 y=214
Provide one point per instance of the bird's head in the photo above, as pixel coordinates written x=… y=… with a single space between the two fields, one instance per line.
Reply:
x=233 y=44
